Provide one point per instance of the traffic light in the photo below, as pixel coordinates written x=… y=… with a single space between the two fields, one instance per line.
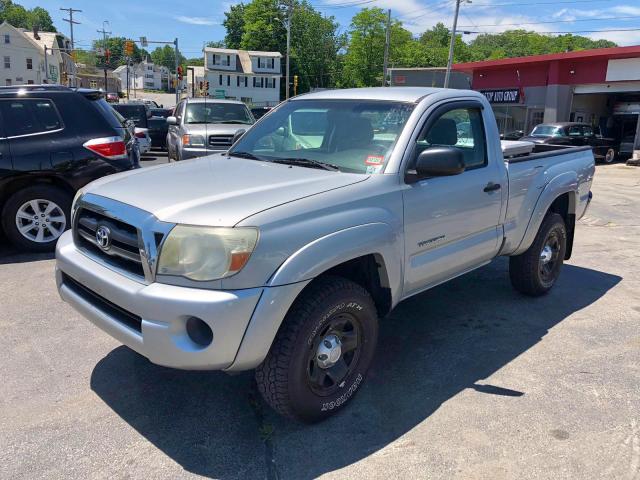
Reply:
x=200 y=85
x=179 y=72
x=206 y=86
x=295 y=84
x=128 y=48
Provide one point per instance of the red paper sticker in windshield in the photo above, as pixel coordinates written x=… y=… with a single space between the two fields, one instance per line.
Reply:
x=374 y=160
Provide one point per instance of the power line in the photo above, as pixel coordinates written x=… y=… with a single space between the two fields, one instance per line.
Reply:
x=562 y=32
x=551 y=21
x=537 y=3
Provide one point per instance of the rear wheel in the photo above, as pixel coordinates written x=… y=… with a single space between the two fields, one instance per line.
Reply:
x=35 y=217
x=610 y=156
x=536 y=270
x=322 y=351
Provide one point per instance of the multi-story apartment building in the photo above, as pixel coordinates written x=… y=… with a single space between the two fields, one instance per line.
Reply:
x=145 y=76
x=23 y=61
x=250 y=76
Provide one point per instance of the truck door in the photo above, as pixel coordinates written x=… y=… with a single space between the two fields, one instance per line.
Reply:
x=452 y=223
x=5 y=154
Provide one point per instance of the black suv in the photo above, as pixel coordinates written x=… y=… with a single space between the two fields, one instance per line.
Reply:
x=53 y=141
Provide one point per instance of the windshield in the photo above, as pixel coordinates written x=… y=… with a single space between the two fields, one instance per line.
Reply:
x=136 y=113
x=211 y=112
x=546 y=131
x=353 y=135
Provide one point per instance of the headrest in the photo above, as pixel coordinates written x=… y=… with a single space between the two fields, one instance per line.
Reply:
x=354 y=133
x=443 y=132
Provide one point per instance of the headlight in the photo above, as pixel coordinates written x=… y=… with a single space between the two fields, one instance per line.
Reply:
x=192 y=140
x=206 y=253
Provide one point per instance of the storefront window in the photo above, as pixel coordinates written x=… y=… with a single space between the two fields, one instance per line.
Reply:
x=510 y=119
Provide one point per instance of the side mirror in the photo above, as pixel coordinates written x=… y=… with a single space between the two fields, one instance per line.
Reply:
x=161 y=105
x=237 y=136
x=280 y=132
x=439 y=162
x=172 y=120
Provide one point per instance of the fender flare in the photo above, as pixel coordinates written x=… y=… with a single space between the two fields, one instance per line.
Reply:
x=564 y=183
x=333 y=249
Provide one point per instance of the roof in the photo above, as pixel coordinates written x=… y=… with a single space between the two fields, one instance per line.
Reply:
x=231 y=51
x=613 y=52
x=211 y=100
x=398 y=94
x=46 y=38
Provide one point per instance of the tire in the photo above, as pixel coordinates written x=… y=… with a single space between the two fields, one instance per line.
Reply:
x=290 y=378
x=20 y=210
x=535 y=271
x=610 y=156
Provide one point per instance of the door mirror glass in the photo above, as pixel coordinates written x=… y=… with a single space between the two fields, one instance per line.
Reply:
x=440 y=162
x=172 y=120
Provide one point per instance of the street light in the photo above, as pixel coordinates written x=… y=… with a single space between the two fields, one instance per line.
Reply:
x=287 y=26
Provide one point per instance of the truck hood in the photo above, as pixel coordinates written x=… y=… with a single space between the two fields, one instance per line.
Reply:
x=217 y=190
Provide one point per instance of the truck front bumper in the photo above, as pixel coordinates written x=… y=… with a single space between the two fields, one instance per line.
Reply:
x=193 y=152
x=152 y=319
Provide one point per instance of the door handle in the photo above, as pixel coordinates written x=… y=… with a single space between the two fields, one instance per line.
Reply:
x=492 y=187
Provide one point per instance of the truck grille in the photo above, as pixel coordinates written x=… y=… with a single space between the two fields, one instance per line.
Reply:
x=221 y=142
x=123 y=247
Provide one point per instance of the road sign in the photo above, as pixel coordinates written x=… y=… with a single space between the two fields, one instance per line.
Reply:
x=219 y=93
x=100 y=51
x=143 y=42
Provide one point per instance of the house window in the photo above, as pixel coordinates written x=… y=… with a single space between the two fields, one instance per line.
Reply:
x=228 y=81
x=228 y=60
x=220 y=82
x=254 y=82
x=246 y=99
x=29 y=82
x=29 y=64
x=7 y=38
x=7 y=62
x=246 y=82
x=7 y=82
x=93 y=84
x=238 y=81
x=273 y=63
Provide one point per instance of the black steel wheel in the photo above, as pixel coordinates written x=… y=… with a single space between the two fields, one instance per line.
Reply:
x=322 y=352
x=536 y=270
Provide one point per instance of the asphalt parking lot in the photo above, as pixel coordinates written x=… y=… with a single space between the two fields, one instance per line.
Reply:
x=472 y=380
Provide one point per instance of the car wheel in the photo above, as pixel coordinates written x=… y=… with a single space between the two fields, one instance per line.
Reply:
x=35 y=217
x=610 y=156
x=321 y=354
x=536 y=270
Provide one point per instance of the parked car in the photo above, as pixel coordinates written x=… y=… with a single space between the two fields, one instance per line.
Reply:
x=201 y=126
x=139 y=114
x=512 y=135
x=53 y=141
x=574 y=134
x=259 y=112
x=158 y=127
x=112 y=97
x=282 y=258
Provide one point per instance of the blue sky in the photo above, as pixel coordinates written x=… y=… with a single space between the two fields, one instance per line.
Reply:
x=195 y=22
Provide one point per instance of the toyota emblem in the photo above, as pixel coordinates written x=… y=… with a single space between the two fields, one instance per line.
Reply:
x=103 y=237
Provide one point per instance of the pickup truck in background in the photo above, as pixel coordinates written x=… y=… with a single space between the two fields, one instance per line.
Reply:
x=282 y=254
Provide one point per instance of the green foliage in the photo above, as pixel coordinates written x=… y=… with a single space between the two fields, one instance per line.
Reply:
x=234 y=24
x=166 y=56
x=194 y=62
x=20 y=17
x=115 y=45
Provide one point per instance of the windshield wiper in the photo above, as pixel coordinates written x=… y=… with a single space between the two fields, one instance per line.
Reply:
x=247 y=155
x=307 y=162
x=231 y=121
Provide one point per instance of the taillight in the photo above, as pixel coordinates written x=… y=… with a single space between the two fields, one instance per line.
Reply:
x=140 y=135
x=112 y=148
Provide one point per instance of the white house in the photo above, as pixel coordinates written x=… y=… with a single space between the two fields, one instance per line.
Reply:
x=252 y=77
x=144 y=76
x=22 y=57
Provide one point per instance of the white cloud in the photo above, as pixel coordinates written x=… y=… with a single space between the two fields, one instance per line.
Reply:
x=621 y=38
x=626 y=10
x=195 y=20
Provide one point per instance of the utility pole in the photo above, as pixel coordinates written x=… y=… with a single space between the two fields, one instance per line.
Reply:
x=387 y=43
x=289 y=13
x=104 y=45
x=447 y=75
x=175 y=42
x=71 y=23
x=46 y=66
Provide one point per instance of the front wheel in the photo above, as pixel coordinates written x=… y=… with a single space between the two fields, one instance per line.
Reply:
x=535 y=271
x=610 y=156
x=322 y=351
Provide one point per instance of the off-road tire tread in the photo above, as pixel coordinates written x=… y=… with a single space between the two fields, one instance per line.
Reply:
x=523 y=268
x=272 y=375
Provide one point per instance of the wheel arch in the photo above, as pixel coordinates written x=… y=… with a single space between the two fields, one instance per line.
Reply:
x=17 y=183
x=559 y=196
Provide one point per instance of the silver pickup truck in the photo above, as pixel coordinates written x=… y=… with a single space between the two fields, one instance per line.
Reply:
x=282 y=254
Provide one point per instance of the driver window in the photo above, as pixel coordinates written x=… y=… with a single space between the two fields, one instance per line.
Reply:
x=461 y=128
x=575 y=131
x=588 y=131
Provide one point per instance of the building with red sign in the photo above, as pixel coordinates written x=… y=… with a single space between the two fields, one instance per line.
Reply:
x=601 y=87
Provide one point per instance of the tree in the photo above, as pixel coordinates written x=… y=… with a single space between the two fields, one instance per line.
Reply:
x=117 y=57
x=234 y=24
x=166 y=56
x=20 y=17
x=363 y=61
x=194 y=62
